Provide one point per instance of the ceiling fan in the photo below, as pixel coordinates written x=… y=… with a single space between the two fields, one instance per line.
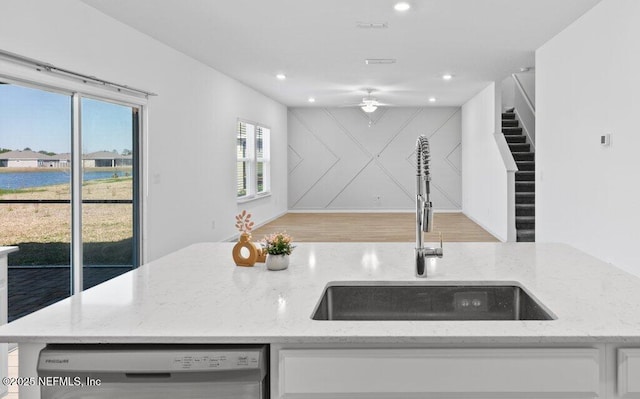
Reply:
x=369 y=103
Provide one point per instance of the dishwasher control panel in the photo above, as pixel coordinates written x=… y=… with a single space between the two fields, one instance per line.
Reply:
x=217 y=361
x=131 y=358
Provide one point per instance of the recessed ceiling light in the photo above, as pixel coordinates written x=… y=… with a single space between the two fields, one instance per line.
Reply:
x=311 y=100
x=281 y=76
x=432 y=99
x=447 y=76
x=402 y=6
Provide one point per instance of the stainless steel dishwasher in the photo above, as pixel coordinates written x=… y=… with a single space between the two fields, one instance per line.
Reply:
x=154 y=371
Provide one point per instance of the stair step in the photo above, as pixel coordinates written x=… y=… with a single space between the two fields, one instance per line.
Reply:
x=527 y=175
x=525 y=222
x=525 y=198
x=512 y=130
x=520 y=147
x=523 y=156
x=525 y=209
x=515 y=139
x=528 y=235
x=525 y=186
x=509 y=123
x=526 y=165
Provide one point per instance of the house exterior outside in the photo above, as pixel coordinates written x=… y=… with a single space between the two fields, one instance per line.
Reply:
x=24 y=159
x=32 y=159
x=106 y=159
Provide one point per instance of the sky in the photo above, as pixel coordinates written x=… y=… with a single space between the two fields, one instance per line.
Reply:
x=41 y=120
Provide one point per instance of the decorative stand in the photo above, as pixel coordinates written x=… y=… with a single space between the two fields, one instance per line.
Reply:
x=245 y=243
x=256 y=254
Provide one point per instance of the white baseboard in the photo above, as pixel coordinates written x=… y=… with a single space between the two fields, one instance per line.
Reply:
x=369 y=211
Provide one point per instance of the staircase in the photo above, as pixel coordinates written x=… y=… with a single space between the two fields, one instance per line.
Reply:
x=525 y=177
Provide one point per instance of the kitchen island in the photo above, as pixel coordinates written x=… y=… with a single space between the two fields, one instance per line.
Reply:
x=197 y=295
x=4 y=253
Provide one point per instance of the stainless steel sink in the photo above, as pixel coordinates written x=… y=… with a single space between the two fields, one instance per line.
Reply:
x=442 y=301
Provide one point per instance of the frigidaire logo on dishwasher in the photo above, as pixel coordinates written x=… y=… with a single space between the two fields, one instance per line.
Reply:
x=56 y=360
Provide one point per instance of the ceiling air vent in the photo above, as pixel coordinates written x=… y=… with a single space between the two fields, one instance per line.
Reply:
x=372 y=25
x=379 y=61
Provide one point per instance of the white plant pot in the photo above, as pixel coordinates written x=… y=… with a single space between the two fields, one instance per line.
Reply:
x=277 y=262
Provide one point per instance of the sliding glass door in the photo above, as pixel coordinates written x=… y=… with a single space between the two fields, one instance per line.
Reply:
x=108 y=175
x=68 y=229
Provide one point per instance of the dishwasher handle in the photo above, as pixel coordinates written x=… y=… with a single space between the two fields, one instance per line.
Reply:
x=148 y=376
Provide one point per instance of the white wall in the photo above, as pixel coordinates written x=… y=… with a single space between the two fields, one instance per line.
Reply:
x=345 y=159
x=486 y=183
x=588 y=84
x=22 y=163
x=508 y=86
x=528 y=81
x=191 y=142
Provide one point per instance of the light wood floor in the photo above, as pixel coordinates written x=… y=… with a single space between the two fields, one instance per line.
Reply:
x=372 y=227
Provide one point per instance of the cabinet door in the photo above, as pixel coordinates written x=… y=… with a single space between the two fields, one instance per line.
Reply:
x=629 y=372
x=3 y=347
x=468 y=373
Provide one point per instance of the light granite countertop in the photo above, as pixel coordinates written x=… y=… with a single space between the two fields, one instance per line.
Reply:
x=7 y=250
x=198 y=295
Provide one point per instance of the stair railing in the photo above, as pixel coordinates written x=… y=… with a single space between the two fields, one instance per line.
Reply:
x=526 y=111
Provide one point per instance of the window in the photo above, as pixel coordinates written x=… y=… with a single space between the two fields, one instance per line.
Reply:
x=252 y=153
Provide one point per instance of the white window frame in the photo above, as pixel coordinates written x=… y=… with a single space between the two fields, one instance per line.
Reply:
x=252 y=161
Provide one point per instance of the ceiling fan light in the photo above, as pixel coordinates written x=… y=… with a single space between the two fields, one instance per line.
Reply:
x=368 y=108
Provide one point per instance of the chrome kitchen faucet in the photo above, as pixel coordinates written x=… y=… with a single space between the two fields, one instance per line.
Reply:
x=424 y=207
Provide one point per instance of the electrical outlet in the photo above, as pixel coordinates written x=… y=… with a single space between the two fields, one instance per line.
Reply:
x=213 y=225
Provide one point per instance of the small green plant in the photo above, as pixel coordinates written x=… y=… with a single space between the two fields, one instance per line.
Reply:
x=278 y=244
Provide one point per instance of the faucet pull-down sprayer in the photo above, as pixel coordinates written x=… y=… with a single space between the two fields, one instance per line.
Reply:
x=424 y=207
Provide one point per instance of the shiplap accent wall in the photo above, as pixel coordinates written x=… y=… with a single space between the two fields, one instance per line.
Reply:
x=345 y=159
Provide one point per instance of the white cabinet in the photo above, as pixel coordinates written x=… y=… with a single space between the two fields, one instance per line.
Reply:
x=4 y=251
x=437 y=373
x=628 y=373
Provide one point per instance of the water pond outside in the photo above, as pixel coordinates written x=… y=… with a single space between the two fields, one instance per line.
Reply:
x=39 y=178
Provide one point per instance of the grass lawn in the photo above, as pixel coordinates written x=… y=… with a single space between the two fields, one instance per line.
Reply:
x=43 y=231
